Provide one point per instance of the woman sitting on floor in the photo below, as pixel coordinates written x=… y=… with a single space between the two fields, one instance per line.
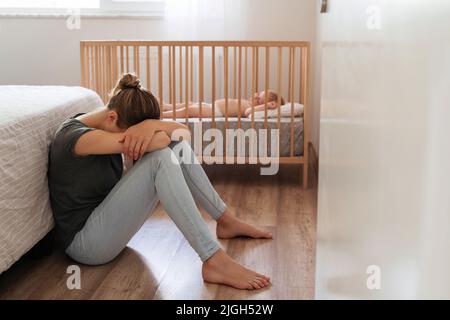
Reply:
x=97 y=209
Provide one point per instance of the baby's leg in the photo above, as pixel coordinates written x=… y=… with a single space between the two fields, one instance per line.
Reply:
x=193 y=111
x=169 y=106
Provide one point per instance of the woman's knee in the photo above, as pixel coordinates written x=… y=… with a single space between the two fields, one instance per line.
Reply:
x=163 y=155
x=182 y=150
x=176 y=153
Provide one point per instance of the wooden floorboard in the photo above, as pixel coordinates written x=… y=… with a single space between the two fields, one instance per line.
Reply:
x=159 y=263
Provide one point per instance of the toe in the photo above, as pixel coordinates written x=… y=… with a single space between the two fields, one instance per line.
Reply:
x=255 y=284
x=250 y=286
x=268 y=235
x=260 y=283
x=264 y=281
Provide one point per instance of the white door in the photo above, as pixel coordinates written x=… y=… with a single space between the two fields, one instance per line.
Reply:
x=384 y=185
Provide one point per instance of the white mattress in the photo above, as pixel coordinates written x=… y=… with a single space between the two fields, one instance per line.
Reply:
x=29 y=117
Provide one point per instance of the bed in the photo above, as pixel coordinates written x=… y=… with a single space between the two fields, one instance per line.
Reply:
x=29 y=117
x=180 y=72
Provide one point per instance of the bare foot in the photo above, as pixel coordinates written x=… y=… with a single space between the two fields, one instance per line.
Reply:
x=229 y=227
x=221 y=269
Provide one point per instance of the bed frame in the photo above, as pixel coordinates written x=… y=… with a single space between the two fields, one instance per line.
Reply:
x=178 y=71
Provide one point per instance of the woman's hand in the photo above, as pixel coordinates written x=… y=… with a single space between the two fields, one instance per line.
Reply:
x=137 y=139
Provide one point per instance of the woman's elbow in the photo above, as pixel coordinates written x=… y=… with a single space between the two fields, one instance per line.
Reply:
x=160 y=141
x=166 y=141
x=163 y=141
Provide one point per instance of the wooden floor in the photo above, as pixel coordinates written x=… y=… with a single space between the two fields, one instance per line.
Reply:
x=159 y=264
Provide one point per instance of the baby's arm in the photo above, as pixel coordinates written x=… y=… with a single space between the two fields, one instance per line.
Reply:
x=262 y=107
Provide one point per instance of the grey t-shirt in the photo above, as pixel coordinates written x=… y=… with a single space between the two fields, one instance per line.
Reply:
x=77 y=184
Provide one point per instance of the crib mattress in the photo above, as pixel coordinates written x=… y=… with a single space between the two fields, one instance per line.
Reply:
x=233 y=123
x=29 y=117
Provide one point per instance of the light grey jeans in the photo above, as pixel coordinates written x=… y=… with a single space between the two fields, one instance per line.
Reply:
x=158 y=175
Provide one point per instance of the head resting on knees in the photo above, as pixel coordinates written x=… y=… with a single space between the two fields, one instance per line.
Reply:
x=130 y=104
x=260 y=98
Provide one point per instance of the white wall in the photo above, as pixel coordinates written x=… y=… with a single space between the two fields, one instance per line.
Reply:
x=384 y=166
x=44 y=51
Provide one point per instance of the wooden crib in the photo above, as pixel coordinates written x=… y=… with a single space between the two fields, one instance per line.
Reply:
x=178 y=72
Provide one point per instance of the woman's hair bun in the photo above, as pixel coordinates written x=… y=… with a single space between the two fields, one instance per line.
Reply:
x=129 y=81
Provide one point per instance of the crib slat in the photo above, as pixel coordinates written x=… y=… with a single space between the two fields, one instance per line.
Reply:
x=180 y=62
x=136 y=61
x=147 y=68
x=303 y=75
x=99 y=75
x=187 y=84
x=225 y=57
x=94 y=68
x=122 y=66
x=105 y=72
x=290 y=89
x=83 y=65
x=266 y=84
x=87 y=61
x=108 y=70
x=102 y=73
x=170 y=75
x=127 y=59
x=235 y=72
x=87 y=67
x=257 y=68
x=112 y=69
x=91 y=68
x=200 y=76
x=173 y=84
x=291 y=97
x=115 y=66
x=300 y=98
x=280 y=77
x=160 y=76
x=239 y=86
x=192 y=73
x=246 y=72
x=213 y=85
x=253 y=85
x=104 y=65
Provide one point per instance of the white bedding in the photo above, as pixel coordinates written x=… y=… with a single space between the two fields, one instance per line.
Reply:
x=29 y=117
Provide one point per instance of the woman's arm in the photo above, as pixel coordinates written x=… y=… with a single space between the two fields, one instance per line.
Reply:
x=167 y=126
x=136 y=137
x=103 y=142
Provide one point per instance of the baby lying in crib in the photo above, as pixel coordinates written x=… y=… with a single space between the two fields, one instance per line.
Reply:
x=245 y=110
